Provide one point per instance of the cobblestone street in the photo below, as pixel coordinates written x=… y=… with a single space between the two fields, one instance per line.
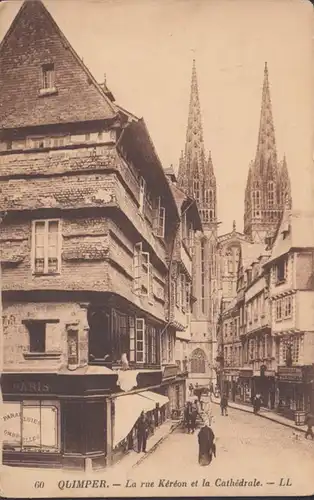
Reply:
x=248 y=447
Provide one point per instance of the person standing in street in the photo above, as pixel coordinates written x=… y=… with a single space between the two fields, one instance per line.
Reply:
x=207 y=447
x=187 y=416
x=309 y=421
x=191 y=389
x=142 y=430
x=257 y=403
x=224 y=405
x=194 y=413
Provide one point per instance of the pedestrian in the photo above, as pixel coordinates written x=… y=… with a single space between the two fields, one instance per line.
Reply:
x=193 y=417
x=187 y=416
x=156 y=415
x=142 y=431
x=191 y=389
x=309 y=421
x=206 y=444
x=257 y=403
x=224 y=405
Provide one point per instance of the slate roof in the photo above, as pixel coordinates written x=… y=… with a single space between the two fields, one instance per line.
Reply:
x=32 y=40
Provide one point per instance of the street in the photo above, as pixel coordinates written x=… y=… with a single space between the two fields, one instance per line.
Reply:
x=248 y=447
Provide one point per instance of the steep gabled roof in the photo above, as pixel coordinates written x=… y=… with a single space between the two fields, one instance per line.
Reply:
x=32 y=40
x=296 y=230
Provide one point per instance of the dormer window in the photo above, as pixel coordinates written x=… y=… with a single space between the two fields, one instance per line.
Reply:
x=48 y=84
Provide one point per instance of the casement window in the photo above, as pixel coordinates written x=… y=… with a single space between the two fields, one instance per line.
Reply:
x=151 y=339
x=142 y=194
x=119 y=334
x=142 y=270
x=48 y=77
x=288 y=306
x=278 y=309
x=46 y=246
x=33 y=426
x=159 y=220
x=139 y=340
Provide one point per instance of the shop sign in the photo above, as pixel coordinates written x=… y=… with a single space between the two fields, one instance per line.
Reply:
x=290 y=373
x=33 y=387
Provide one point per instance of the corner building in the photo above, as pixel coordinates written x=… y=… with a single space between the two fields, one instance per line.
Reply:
x=89 y=223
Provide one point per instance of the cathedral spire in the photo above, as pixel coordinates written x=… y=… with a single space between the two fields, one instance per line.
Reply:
x=266 y=146
x=194 y=146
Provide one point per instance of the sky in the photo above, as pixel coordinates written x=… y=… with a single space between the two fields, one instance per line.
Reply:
x=146 y=48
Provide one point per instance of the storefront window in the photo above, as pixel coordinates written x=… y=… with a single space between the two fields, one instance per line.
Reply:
x=31 y=426
x=73 y=426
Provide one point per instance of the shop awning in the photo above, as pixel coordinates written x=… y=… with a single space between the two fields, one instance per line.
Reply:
x=157 y=398
x=127 y=410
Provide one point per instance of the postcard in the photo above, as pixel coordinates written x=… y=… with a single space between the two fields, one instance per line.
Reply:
x=157 y=248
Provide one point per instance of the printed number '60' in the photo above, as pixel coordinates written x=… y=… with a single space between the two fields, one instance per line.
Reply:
x=39 y=484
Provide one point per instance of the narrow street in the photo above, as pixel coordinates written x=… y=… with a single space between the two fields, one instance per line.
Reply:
x=248 y=447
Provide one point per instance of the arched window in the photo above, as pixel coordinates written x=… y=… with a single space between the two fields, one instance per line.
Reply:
x=198 y=361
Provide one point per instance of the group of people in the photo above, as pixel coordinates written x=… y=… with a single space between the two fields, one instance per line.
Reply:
x=191 y=411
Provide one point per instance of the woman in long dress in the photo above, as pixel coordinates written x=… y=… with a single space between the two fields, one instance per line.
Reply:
x=206 y=442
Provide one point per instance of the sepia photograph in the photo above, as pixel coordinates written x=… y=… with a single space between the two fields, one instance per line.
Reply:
x=156 y=248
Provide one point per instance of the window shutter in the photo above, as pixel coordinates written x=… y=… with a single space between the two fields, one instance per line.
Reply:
x=132 y=338
x=151 y=283
x=137 y=267
x=145 y=274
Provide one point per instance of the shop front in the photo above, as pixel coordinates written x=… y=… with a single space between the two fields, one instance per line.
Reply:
x=244 y=390
x=57 y=420
x=295 y=391
x=174 y=387
x=263 y=383
x=230 y=384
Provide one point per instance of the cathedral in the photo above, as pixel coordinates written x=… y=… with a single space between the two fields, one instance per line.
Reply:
x=216 y=257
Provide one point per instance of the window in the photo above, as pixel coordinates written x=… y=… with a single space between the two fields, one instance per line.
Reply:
x=170 y=347
x=198 y=361
x=159 y=220
x=142 y=271
x=183 y=291
x=37 y=336
x=140 y=340
x=142 y=194
x=290 y=350
x=46 y=246
x=42 y=337
x=251 y=349
x=281 y=271
x=288 y=306
x=57 y=142
x=48 y=77
x=278 y=309
x=119 y=334
x=31 y=426
x=187 y=297
x=151 y=344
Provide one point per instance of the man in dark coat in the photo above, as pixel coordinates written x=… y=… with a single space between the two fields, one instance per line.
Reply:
x=142 y=431
x=309 y=421
x=224 y=405
x=207 y=447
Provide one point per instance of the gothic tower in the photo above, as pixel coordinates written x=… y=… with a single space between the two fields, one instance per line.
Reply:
x=268 y=187
x=197 y=178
